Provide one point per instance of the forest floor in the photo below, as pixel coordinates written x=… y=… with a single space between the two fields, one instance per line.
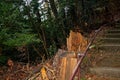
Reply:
x=19 y=71
x=22 y=71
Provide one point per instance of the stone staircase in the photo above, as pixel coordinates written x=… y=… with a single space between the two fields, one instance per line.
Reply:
x=109 y=51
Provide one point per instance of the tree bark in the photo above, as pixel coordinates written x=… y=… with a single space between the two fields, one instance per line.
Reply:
x=53 y=7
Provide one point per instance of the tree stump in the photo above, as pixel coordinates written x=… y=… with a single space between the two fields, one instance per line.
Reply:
x=75 y=43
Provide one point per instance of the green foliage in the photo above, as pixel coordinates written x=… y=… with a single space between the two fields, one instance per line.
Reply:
x=83 y=79
x=13 y=30
x=52 y=49
x=3 y=60
x=20 y=39
x=3 y=35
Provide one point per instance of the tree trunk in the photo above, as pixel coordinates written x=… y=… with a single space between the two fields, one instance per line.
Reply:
x=53 y=7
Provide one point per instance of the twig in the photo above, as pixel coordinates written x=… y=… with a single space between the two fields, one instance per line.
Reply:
x=33 y=72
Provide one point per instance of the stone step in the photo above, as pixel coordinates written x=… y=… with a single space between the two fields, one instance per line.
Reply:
x=95 y=77
x=110 y=40
x=106 y=71
x=113 y=31
x=112 y=35
x=117 y=26
x=109 y=47
x=108 y=57
x=111 y=59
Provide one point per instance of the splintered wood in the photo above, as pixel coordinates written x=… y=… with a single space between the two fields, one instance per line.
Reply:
x=76 y=42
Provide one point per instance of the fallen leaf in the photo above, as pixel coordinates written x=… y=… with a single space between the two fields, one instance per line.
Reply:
x=10 y=63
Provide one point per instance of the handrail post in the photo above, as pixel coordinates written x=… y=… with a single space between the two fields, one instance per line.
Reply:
x=79 y=69
x=78 y=57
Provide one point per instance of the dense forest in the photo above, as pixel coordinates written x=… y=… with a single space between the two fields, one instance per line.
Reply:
x=33 y=30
